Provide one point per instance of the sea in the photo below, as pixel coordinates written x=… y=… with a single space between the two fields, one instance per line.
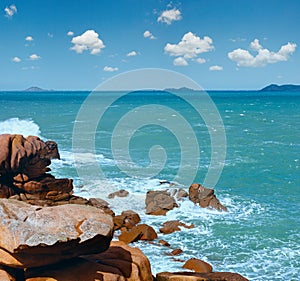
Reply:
x=244 y=144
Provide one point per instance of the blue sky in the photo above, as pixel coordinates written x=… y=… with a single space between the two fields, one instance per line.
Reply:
x=69 y=45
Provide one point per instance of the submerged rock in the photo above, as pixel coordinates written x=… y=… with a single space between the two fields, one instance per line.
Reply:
x=32 y=236
x=119 y=193
x=172 y=226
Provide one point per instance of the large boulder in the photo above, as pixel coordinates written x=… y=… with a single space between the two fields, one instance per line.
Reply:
x=205 y=197
x=119 y=263
x=32 y=236
x=191 y=276
x=159 y=202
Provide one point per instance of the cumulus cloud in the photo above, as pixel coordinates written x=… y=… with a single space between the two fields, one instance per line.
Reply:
x=89 y=40
x=169 y=16
x=110 y=69
x=29 y=38
x=263 y=57
x=216 y=68
x=10 y=11
x=180 y=61
x=70 y=33
x=16 y=59
x=201 y=60
x=131 y=54
x=34 y=57
x=190 y=47
x=148 y=34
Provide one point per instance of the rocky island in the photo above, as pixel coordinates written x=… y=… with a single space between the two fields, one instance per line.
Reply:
x=48 y=233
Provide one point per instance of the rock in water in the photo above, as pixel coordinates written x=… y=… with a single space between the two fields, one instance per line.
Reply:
x=32 y=236
x=159 y=202
x=205 y=197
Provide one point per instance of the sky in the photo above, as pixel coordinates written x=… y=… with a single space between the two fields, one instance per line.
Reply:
x=220 y=44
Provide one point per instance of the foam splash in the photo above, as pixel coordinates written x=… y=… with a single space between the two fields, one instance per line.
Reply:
x=25 y=127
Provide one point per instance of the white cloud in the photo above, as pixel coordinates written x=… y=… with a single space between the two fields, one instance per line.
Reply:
x=16 y=59
x=34 y=57
x=50 y=35
x=190 y=47
x=132 y=54
x=148 y=34
x=201 y=60
x=263 y=57
x=10 y=11
x=216 y=68
x=29 y=38
x=180 y=61
x=89 y=40
x=70 y=33
x=110 y=69
x=170 y=15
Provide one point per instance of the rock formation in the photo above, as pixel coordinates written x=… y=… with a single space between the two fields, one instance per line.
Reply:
x=159 y=202
x=205 y=197
x=34 y=236
x=119 y=263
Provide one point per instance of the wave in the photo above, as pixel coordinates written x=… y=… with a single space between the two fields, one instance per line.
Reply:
x=25 y=127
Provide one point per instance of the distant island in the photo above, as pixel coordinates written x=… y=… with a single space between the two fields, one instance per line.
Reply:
x=35 y=89
x=182 y=89
x=281 y=88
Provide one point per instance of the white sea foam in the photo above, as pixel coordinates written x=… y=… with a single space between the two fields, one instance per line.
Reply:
x=25 y=127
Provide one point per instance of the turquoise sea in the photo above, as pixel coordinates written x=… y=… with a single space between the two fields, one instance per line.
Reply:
x=259 y=237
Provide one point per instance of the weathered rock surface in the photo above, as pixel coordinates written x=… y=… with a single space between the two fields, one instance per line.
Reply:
x=138 y=232
x=172 y=226
x=34 y=236
x=198 y=265
x=191 y=276
x=205 y=197
x=119 y=263
x=29 y=156
x=23 y=169
x=159 y=202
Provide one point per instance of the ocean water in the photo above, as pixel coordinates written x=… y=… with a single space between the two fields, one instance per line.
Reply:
x=259 y=237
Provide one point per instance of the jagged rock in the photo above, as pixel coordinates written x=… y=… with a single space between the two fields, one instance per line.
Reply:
x=198 y=265
x=172 y=226
x=205 y=197
x=119 y=193
x=159 y=202
x=119 y=263
x=138 y=232
x=191 y=276
x=127 y=219
x=29 y=156
x=32 y=236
